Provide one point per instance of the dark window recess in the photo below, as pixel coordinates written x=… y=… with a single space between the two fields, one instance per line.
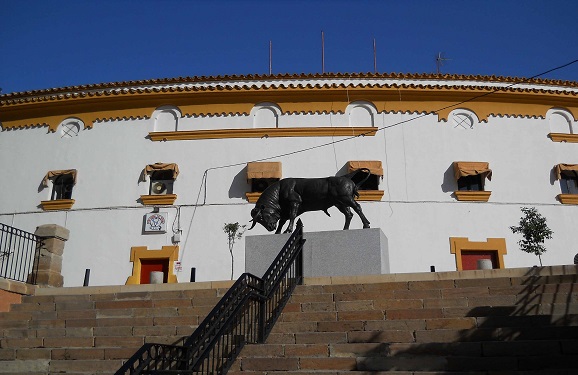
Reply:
x=161 y=182
x=372 y=183
x=569 y=184
x=258 y=185
x=62 y=187
x=471 y=183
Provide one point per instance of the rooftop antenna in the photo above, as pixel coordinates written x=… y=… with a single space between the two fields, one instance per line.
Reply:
x=322 y=52
x=440 y=61
x=374 y=57
x=270 y=58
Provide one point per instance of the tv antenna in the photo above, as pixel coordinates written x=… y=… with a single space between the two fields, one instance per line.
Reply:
x=440 y=61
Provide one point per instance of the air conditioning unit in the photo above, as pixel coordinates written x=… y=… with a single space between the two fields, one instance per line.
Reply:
x=161 y=187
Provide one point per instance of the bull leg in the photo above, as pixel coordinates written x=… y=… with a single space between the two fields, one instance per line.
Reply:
x=293 y=209
x=357 y=208
x=282 y=222
x=348 y=215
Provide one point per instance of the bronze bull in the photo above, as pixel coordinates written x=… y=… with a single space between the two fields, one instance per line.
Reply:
x=290 y=197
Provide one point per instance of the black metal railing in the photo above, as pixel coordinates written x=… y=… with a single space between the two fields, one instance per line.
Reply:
x=245 y=314
x=19 y=252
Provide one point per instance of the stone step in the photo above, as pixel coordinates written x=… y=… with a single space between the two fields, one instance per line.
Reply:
x=417 y=363
x=513 y=356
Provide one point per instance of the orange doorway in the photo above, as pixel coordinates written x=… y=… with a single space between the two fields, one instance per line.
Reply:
x=150 y=265
x=468 y=252
x=470 y=259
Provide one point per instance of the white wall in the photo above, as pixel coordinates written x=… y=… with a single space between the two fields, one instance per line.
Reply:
x=418 y=213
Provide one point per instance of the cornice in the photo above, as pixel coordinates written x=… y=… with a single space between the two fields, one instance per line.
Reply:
x=158 y=200
x=568 y=198
x=364 y=195
x=262 y=133
x=57 y=204
x=563 y=137
x=433 y=94
x=472 y=196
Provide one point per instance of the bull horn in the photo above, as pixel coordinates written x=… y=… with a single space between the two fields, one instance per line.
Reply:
x=254 y=223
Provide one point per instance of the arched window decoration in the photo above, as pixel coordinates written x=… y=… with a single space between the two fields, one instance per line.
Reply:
x=463 y=119
x=266 y=115
x=361 y=113
x=166 y=119
x=560 y=121
x=70 y=128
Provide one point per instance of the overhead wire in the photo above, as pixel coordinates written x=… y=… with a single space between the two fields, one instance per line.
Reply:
x=345 y=139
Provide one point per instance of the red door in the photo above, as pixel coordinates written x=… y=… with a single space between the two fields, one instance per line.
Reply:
x=149 y=265
x=470 y=258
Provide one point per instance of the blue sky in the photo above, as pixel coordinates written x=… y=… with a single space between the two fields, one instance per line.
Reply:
x=58 y=43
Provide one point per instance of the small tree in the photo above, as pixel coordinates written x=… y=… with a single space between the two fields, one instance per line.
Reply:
x=534 y=230
x=234 y=232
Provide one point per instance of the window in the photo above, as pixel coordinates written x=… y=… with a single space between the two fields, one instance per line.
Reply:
x=463 y=119
x=266 y=115
x=563 y=128
x=260 y=176
x=62 y=187
x=70 y=128
x=63 y=182
x=161 y=182
x=162 y=177
x=471 y=183
x=470 y=177
x=166 y=119
x=567 y=174
x=361 y=113
x=369 y=189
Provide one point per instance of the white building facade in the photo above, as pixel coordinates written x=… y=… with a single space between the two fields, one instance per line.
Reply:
x=147 y=173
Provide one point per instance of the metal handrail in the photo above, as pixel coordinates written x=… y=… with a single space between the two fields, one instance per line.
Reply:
x=19 y=253
x=245 y=314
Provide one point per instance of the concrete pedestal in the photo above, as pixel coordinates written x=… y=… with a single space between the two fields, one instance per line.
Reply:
x=332 y=253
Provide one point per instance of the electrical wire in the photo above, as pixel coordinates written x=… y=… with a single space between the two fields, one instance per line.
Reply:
x=345 y=139
x=401 y=122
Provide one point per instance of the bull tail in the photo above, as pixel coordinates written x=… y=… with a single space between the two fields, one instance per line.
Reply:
x=355 y=172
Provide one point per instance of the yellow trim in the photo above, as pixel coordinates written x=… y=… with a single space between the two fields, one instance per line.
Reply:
x=459 y=244
x=158 y=200
x=364 y=195
x=261 y=133
x=57 y=204
x=89 y=107
x=563 y=137
x=568 y=198
x=141 y=252
x=370 y=195
x=472 y=196
x=252 y=197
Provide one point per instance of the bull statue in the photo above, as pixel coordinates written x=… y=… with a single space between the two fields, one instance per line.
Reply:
x=290 y=197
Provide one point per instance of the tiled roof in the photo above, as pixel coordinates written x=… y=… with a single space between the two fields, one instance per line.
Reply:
x=256 y=82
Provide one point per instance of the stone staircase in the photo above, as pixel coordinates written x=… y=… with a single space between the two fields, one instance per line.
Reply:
x=94 y=330
x=513 y=321
x=522 y=321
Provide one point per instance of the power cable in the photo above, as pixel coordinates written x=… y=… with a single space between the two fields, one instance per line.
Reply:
x=397 y=123
x=333 y=142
